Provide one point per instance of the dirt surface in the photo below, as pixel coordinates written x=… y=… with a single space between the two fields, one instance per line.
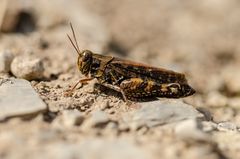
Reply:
x=198 y=38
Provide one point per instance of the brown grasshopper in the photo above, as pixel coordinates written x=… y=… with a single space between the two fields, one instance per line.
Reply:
x=133 y=80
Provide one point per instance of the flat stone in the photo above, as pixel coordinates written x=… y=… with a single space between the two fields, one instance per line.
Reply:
x=234 y=103
x=208 y=126
x=72 y=117
x=226 y=126
x=18 y=98
x=215 y=99
x=190 y=130
x=68 y=119
x=6 y=58
x=231 y=76
x=93 y=149
x=98 y=118
x=160 y=112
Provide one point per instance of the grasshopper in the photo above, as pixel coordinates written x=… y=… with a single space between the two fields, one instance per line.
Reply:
x=133 y=80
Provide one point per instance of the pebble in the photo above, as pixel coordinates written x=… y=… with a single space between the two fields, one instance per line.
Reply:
x=226 y=126
x=231 y=76
x=97 y=119
x=72 y=117
x=18 y=98
x=89 y=148
x=160 y=112
x=208 y=126
x=6 y=58
x=26 y=67
x=190 y=130
x=215 y=99
x=234 y=102
x=207 y=114
x=104 y=105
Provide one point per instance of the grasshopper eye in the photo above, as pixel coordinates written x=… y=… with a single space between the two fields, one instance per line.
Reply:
x=86 y=56
x=85 y=62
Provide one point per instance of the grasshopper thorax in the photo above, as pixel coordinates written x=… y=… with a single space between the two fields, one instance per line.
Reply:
x=85 y=61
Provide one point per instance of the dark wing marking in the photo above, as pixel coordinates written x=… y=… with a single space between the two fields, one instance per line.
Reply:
x=138 y=69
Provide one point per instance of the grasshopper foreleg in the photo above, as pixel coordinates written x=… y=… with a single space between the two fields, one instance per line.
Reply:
x=82 y=81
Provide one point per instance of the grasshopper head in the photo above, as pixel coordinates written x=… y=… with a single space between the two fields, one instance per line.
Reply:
x=85 y=61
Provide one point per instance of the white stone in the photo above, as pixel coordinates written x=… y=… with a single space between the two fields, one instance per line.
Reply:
x=215 y=99
x=189 y=130
x=97 y=118
x=27 y=67
x=208 y=126
x=6 y=58
x=72 y=117
x=234 y=102
x=231 y=76
x=160 y=112
x=18 y=98
x=226 y=126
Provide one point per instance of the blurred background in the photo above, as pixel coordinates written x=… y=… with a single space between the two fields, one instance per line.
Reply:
x=198 y=38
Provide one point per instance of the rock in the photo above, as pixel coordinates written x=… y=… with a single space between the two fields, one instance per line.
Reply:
x=116 y=149
x=207 y=114
x=224 y=114
x=18 y=98
x=68 y=119
x=208 y=126
x=104 y=105
x=6 y=58
x=231 y=76
x=234 y=103
x=215 y=99
x=97 y=119
x=160 y=112
x=226 y=126
x=190 y=130
x=123 y=126
x=26 y=67
x=72 y=117
x=229 y=141
x=89 y=148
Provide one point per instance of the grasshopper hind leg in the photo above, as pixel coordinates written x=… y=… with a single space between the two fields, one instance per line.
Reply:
x=140 y=88
x=116 y=88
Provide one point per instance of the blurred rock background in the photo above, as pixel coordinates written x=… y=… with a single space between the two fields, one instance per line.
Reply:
x=198 y=38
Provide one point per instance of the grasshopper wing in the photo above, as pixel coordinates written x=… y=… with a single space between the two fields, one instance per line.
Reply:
x=142 y=70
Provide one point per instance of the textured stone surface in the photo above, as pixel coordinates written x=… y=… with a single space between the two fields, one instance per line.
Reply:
x=161 y=112
x=18 y=98
x=90 y=148
x=226 y=126
x=26 y=67
x=6 y=58
x=190 y=130
x=97 y=119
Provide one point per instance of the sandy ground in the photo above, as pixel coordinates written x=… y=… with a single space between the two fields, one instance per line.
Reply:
x=198 y=38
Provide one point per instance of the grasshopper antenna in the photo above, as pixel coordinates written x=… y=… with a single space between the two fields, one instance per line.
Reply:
x=76 y=47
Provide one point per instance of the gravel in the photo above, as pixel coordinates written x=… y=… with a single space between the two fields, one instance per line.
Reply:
x=28 y=68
